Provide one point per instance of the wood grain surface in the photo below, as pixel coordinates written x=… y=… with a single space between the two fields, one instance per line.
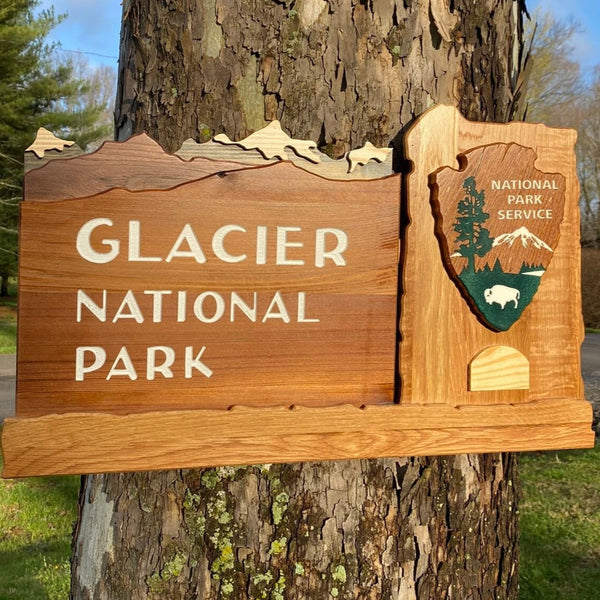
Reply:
x=46 y=140
x=440 y=332
x=368 y=164
x=320 y=334
x=498 y=368
x=452 y=367
x=137 y=164
x=90 y=443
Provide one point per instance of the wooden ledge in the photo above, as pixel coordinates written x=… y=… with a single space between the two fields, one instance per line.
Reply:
x=97 y=442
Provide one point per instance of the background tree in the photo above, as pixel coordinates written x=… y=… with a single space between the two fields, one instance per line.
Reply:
x=588 y=162
x=560 y=95
x=554 y=83
x=37 y=89
x=341 y=73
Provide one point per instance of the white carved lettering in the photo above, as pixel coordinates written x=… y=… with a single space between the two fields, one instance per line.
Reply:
x=84 y=246
x=163 y=368
x=129 y=303
x=192 y=363
x=281 y=312
x=127 y=370
x=283 y=244
x=188 y=236
x=219 y=249
x=336 y=254
x=84 y=300
x=81 y=369
x=134 y=254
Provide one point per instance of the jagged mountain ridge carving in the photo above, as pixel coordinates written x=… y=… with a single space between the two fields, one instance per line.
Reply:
x=524 y=236
x=136 y=164
x=512 y=251
x=140 y=163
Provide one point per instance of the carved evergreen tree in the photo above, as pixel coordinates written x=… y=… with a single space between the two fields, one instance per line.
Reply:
x=340 y=72
x=473 y=239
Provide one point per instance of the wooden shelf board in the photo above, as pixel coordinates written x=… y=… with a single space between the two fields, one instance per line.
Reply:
x=92 y=442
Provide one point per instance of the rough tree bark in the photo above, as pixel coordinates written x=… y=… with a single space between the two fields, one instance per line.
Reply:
x=340 y=72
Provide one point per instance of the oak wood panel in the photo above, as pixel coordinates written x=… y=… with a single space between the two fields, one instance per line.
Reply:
x=87 y=443
x=46 y=140
x=272 y=142
x=440 y=333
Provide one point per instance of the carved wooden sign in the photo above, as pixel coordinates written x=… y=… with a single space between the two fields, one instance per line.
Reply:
x=236 y=288
x=237 y=302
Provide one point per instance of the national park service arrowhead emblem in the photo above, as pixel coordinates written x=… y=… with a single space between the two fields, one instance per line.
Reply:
x=498 y=223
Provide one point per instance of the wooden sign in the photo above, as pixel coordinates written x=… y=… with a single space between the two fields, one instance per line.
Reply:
x=237 y=302
x=454 y=350
x=236 y=288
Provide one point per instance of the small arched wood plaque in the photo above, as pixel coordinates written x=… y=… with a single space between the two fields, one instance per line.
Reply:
x=498 y=368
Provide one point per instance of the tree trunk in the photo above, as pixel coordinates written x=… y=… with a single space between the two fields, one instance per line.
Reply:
x=340 y=73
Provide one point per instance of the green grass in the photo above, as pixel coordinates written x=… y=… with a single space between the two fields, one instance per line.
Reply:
x=8 y=325
x=36 y=522
x=560 y=530
x=560 y=526
x=8 y=337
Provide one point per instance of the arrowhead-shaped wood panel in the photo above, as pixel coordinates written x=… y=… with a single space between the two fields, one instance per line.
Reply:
x=498 y=222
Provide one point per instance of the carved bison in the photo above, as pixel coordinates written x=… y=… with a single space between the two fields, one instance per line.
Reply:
x=502 y=294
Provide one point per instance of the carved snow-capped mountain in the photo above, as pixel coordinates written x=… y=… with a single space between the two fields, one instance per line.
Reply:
x=523 y=235
x=512 y=251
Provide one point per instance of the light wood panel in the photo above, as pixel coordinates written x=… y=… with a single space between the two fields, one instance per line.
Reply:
x=89 y=443
x=46 y=140
x=362 y=156
x=440 y=333
x=499 y=368
x=46 y=148
x=272 y=143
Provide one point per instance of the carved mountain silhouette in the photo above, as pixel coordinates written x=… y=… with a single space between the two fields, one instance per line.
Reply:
x=139 y=163
x=515 y=250
x=524 y=236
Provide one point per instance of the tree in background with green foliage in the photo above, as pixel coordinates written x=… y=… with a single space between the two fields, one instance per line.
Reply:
x=36 y=90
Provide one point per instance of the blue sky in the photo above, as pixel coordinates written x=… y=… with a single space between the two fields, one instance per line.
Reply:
x=586 y=42
x=92 y=27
